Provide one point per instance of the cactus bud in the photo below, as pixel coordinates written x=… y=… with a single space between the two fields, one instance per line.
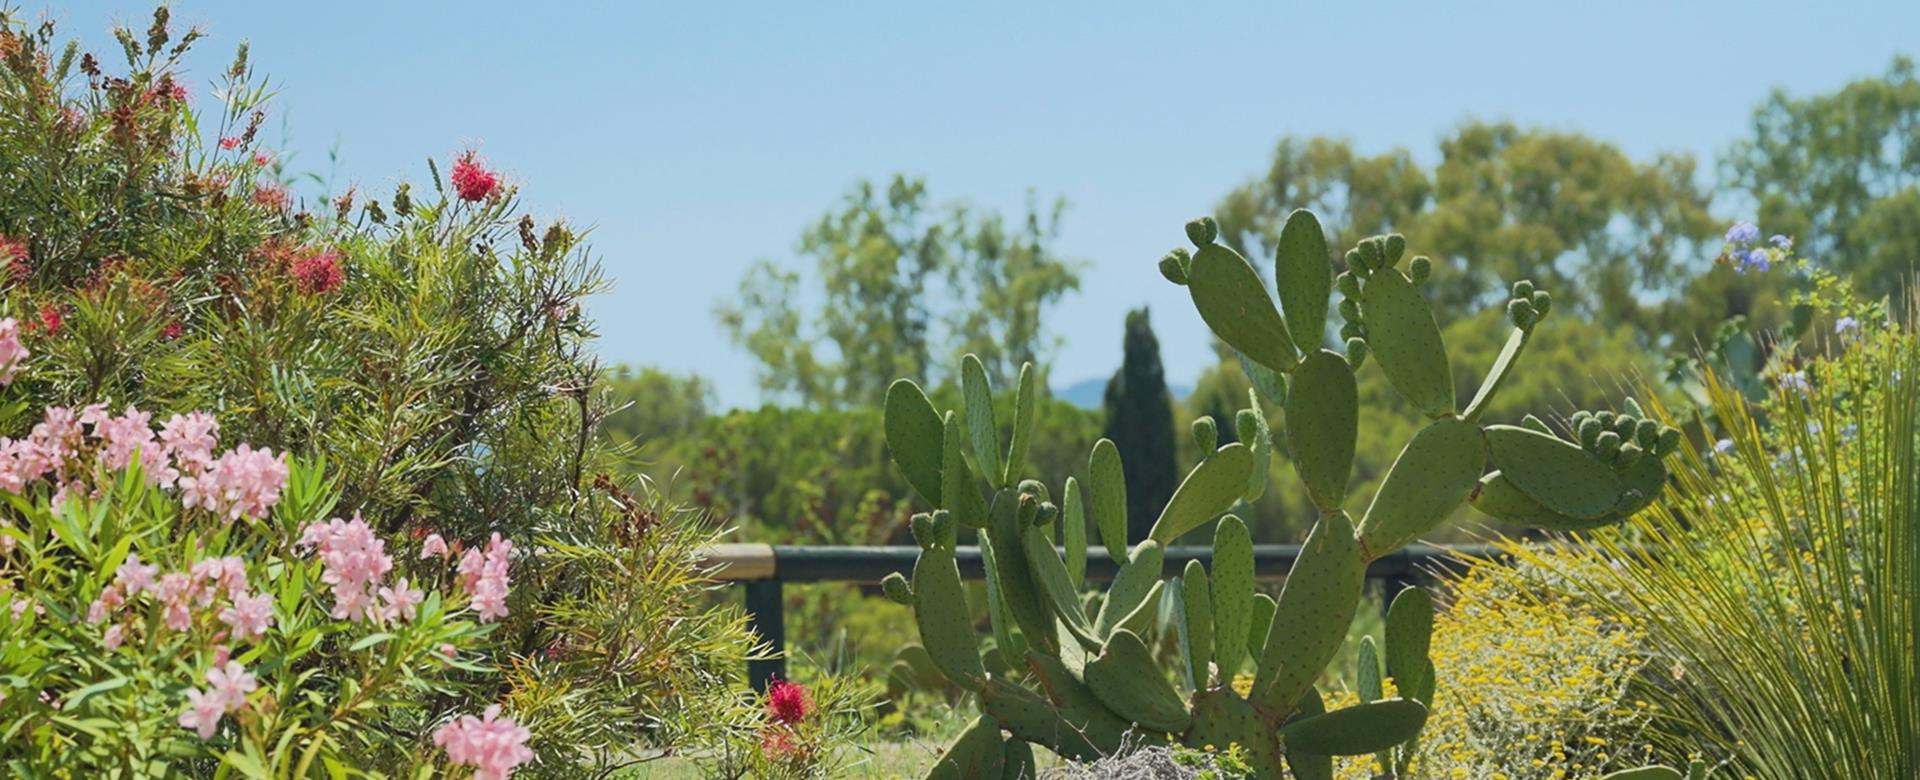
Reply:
x=1035 y=488
x=1580 y=418
x=943 y=524
x=1669 y=441
x=1606 y=445
x=1523 y=289
x=1521 y=313
x=1357 y=352
x=1625 y=425
x=1247 y=423
x=1371 y=255
x=1202 y=231
x=1589 y=432
x=1395 y=245
x=1047 y=514
x=1420 y=268
x=1605 y=418
x=1348 y=284
x=1029 y=509
x=1542 y=302
x=1534 y=423
x=1352 y=330
x=897 y=589
x=1205 y=434
x=1630 y=453
x=1647 y=433
x=921 y=525
x=1349 y=309
x=1174 y=266
x=1633 y=407
x=1356 y=265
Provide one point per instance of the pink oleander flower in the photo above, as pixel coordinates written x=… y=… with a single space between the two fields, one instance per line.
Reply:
x=116 y=634
x=471 y=179
x=134 y=577
x=249 y=616
x=122 y=436
x=434 y=545
x=109 y=599
x=492 y=745
x=401 y=601
x=12 y=353
x=448 y=651
x=189 y=439
x=354 y=560
x=231 y=682
x=242 y=483
x=484 y=577
x=203 y=712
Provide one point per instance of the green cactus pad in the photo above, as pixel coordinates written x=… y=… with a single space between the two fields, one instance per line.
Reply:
x=1557 y=473
x=1208 y=490
x=977 y=753
x=1222 y=718
x=1141 y=619
x=1107 y=482
x=1251 y=424
x=1233 y=300
x=1033 y=719
x=1367 y=682
x=1405 y=340
x=981 y=430
x=1323 y=419
x=1130 y=585
x=1497 y=375
x=1259 y=622
x=1023 y=410
x=1103 y=730
x=1303 y=274
x=1640 y=483
x=1268 y=383
x=895 y=586
x=1409 y=638
x=1432 y=476
x=913 y=433
x=1313 y=612
x=1020 y=764
x=1357 y=730
x=1499 y=498
x=1050 y=573
x=1126 y=679
x=1306 y=764
x=1073 y=532
x=999 y=616
x=1645 y=773
x=1017 y=583
x=940 y=610
x=1232 y=593
x=1196 y=625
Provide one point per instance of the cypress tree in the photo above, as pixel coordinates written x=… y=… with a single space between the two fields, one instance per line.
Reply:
x=1140 y=423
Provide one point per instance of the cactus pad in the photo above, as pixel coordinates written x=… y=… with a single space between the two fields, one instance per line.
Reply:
x=1357 y=730
x=940 y=609
x=1436 y=471
x=1311 y=617
x=1323 y=419
x=1232 y=588
x=1303 y=276
x=1233 y=300
x=1107 y=482
x=1208 y=490
x=978 y=394
x=1405 y=340
x=913 y=431
x=1126 y=679
x=1555 y=472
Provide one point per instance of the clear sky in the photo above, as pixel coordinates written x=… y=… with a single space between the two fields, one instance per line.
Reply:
x=699 y=136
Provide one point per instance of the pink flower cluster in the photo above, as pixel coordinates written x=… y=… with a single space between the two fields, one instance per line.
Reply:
x=484 y=577
x=179 y=594
x=227 y=687
x=471 y=179
x=354 y=562
x=492 y=745
x=12 y=354
x=244 y=482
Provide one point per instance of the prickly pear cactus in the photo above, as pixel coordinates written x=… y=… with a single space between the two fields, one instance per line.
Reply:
x=1079 y=675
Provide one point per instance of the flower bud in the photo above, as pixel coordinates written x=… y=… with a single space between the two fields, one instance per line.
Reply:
x=1202 y=231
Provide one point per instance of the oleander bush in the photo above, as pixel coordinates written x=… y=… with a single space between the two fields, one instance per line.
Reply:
x=420 y=365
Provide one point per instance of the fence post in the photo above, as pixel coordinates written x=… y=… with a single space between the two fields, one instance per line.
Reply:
x=766 y=615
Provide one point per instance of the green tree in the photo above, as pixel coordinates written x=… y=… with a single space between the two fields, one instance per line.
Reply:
x=654 y=405
x=1140 y=423
x=902 y=288
x=1840 y=172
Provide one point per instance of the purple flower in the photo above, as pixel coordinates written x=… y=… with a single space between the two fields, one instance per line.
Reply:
x=1755 y=260
x=1783 y=241
x=1723 y=447
x=1743 y=233
x=1795 y=381
x=1845 y=325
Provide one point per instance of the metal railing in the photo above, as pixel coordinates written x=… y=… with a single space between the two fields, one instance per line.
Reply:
x=765 y=569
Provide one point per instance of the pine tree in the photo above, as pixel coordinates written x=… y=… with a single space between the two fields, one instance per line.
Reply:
x=1140 y=423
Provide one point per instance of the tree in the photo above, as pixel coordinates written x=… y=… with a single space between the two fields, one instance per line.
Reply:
x=1606 y=234
x=903 y=289
x=1839 y=172
x=1140 y=423
x=651 y=404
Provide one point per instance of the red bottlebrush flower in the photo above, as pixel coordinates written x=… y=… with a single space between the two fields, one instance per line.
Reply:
x=471 y=180
x=787 y=702
x=272 y=196
x=261 y=159
x=172 y=330
x=777 y=744
x=50 y=318
x=229 y=143
x=318 y=273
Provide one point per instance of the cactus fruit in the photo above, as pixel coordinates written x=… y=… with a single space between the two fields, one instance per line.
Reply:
x=1091 y=683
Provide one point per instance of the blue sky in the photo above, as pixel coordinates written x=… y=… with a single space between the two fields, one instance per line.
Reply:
x=698 y=137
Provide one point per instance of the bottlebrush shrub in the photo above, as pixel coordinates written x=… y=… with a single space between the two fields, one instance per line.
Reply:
x=174 y=609
x=793 y=732
x=428 y=346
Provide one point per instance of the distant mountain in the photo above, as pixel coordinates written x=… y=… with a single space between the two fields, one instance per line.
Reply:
x=1087 y=393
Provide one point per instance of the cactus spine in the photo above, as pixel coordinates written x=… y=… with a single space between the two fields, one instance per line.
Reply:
x=1076 y=679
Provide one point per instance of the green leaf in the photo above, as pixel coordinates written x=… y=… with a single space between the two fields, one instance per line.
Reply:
x=78 y=697
x=369 y=641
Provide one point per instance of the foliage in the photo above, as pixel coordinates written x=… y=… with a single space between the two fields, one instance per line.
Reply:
x=653 y=406
x=1140 y=423
x=792 y=732
x=1775 y=584
x=429 y=347
x=902 y=287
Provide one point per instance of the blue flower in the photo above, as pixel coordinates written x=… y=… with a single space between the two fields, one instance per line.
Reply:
x=1845 y=325
x=1756 y=260
x=1795 y=381
x=1723 y=447
x=1743 y=233
x=1783 y=241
